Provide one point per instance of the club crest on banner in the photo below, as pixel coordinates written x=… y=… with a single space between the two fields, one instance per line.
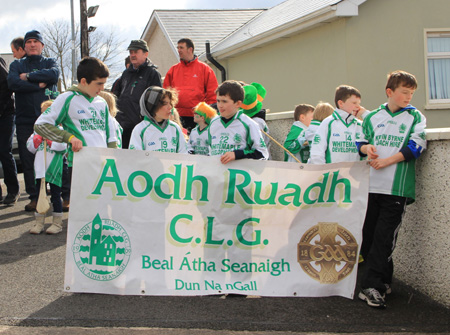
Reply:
x=102 y=249
x=327 y=252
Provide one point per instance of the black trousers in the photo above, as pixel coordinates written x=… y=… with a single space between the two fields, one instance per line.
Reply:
x=383 y=219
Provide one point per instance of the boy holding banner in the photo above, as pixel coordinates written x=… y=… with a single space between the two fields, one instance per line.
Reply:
x=234 y=135
x=157 y=132
x=392 y=137
x=82 y=113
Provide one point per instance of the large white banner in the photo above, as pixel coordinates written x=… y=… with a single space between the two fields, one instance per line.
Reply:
x=150 y=223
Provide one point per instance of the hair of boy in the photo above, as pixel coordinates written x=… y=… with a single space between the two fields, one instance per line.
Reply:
x=205 y=110
x=322 y=111
x=127 y=61
x=401 y=78
x=302 y=109
x=188 y=41
x=343 y=92
x=110 y=99
x=18 y=42
x=233 y=89
x=175 y=117
x=163 y=93
x=91 y=68
x=46 y=104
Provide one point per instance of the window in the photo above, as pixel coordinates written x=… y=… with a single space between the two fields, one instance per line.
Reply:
x=438 y=67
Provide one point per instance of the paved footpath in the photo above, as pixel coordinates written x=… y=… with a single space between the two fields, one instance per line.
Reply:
x=32 y=301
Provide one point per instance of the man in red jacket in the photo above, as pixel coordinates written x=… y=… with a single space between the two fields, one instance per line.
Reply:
x=194 y=80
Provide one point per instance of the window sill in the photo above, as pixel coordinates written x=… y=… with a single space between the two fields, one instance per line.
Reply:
x=437 y=106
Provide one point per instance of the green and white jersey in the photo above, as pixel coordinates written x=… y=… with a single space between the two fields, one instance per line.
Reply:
x=84 y=117
x=198 y=141
x=389 y=133
x=52 y=168
x=335 y=139
x=263 y=126
x=296 y=143
x=241 y=133
x=312 y=129
x=119 y=131
x=149 y=135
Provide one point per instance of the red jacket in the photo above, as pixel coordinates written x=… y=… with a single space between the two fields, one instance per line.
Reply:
x=195 y=82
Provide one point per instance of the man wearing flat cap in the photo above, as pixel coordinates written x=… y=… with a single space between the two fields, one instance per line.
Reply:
x=33 y=79
x=135 y=79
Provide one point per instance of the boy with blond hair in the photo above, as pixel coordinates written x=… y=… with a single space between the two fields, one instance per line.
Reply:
x=392 y=137
x=295 y=141
x=198 y=139
x=321 y=112
x=335 y=138
x=234 y=135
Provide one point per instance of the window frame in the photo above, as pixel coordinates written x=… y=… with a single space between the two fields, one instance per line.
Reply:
x=434 y=103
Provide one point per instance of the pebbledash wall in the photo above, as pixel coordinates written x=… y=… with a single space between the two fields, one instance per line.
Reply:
x=423 y=247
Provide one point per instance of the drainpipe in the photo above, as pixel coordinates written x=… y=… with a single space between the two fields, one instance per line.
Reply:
x=216 y=63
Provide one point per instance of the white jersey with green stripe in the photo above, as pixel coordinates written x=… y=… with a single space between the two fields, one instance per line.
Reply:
x=119 y=131
x=296 y=143
x=312 y=129
x=198 y=141
x=51 y=167
x=149 y=135
x=389 y=133
x=335 y=138
x=240 y=133
x=84 y=117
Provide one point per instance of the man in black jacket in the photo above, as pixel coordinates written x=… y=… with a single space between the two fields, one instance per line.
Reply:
x=33 y=79
x=135 y=79
x=6 y=137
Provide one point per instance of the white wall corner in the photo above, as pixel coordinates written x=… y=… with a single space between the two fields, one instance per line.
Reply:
x=348 y=7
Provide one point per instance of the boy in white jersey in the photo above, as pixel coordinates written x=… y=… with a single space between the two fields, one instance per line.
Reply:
x=234 y=135
x=334 y=140
x=157 y=132
x=295 y=141
x=81 y=112
x=392 y=137
x=50 y=166
x=198 y=139
x=321 y=112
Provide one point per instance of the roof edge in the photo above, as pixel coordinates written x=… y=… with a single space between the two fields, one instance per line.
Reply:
x=345 y=8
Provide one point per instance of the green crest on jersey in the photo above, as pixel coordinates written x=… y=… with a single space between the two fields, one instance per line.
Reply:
x=402 y=128
x=237 y=138
x=317 y=139
x=357 y=136
x=174 y=141
x=423 y=136
x=262 y=143
x=132 y=147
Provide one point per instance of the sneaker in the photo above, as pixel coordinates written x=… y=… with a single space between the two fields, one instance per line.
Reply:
x=372 y=297
x=31 y=207
x=65 y=205
x=388 y=288
x=11 y=199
